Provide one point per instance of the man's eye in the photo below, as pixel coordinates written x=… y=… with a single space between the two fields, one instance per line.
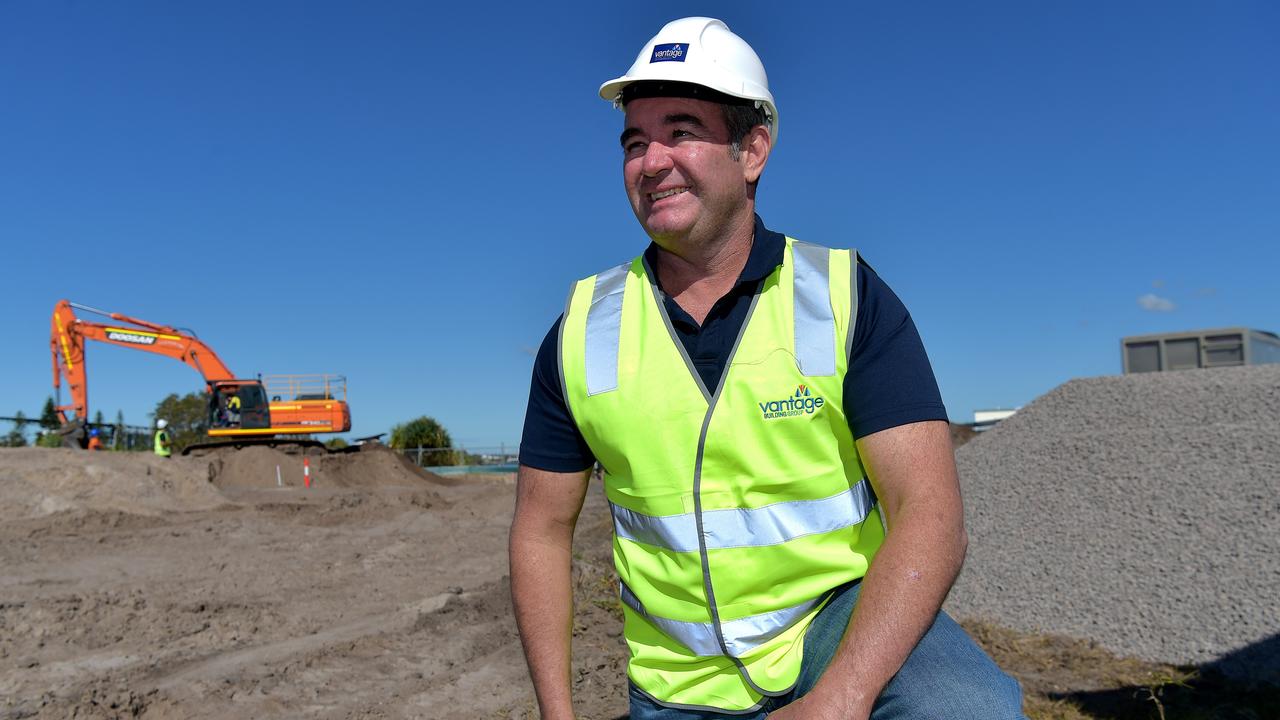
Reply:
x=633 y=147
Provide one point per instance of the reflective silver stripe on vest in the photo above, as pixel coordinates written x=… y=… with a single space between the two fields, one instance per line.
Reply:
x=746 y=527
x=815 y=323
x=604 y=325
x=741 y=636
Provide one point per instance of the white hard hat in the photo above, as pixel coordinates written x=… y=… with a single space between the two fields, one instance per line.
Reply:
x=162 y=424
x=700 y=51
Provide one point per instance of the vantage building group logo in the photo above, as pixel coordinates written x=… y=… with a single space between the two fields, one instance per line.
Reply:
x=802 y=402
x=670 y=52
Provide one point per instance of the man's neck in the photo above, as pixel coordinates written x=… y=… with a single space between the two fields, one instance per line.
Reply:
x=699 y=275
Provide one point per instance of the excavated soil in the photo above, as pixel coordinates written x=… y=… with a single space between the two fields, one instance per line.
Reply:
x=198 y=587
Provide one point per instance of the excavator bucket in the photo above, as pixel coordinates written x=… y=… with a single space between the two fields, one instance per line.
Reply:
x=74 y=434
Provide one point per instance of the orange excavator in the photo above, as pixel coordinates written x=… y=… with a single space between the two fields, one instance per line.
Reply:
x=241 y=411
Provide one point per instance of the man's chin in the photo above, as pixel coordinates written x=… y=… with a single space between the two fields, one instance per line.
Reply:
x=666 y=238
x=665 y=228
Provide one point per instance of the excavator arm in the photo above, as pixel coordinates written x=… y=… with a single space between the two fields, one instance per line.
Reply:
x=240 y=412
x=68 y=334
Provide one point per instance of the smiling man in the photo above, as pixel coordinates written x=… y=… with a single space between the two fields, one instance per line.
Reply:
x=777 y=461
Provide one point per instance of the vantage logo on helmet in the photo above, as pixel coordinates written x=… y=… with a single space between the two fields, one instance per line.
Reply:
x=669 y=52
x=801 y=403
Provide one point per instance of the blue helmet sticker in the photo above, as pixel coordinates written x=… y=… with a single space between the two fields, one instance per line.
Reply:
x=669 y=52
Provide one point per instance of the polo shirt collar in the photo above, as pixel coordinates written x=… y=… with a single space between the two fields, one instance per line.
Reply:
x=766 y=254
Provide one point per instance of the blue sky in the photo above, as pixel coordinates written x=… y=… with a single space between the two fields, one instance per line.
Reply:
x=403 y=194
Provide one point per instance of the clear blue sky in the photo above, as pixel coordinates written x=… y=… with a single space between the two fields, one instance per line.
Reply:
x=402 y=194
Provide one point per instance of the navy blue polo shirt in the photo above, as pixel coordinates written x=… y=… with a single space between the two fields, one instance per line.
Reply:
x=889 y=382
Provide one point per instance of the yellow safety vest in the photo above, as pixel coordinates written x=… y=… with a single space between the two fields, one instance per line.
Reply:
x=736 y=509
x=162 y=443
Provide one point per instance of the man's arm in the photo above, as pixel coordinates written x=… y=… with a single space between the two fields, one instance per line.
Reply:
x=912 y=468
x=547 y=506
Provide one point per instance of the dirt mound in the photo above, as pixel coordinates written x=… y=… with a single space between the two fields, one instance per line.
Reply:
x=37 y=482
x=63 y=491
x=378 y=465
x=261 y=466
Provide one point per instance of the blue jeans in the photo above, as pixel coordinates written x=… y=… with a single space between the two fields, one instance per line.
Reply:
x=946 y=676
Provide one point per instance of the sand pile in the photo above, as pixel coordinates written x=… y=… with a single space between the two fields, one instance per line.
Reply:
x=256 y=466
x=380 y=465
x=35 y=482
x=1140 y=511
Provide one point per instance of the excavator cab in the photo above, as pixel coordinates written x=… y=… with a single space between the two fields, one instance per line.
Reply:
x=239 y=404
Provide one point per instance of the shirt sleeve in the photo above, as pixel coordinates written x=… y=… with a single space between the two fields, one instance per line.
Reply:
x=890 y=381
x=551 y=440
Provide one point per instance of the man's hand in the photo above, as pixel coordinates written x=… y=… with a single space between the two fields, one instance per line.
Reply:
x=547 y=507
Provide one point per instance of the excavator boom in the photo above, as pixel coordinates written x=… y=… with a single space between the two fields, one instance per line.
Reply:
x=69 y=333
x=239 y=408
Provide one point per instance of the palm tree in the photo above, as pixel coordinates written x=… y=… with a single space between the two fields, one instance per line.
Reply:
x=425 y=433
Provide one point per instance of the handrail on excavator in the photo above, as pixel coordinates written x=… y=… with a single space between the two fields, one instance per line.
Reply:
x=315 y=386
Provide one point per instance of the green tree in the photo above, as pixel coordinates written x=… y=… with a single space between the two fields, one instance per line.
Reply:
x=117 y=433
x=335 y=443
x=49 y=416
x=424 y=432
x=17 y=437
x=188 y=418
x=49 y=439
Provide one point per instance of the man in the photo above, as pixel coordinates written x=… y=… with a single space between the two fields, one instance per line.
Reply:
x=95 y=442
x=768 y=424
x=163 y=446
x=233 y=409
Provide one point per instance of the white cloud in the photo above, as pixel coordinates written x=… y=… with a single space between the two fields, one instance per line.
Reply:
x=1154 y=303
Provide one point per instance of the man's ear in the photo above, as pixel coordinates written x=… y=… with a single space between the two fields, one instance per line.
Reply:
x=755 y=152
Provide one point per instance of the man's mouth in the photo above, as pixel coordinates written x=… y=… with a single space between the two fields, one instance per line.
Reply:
x=654 y=197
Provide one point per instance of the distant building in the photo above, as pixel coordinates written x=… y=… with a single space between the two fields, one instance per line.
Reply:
x=987 y=419
x=1199 y=349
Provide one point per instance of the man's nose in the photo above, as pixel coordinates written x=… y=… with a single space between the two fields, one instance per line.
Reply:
x=657 y=158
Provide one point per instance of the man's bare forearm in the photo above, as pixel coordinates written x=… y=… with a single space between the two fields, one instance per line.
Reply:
x=910 y=576
x=542 y=595
x=541 y=591
x=898 y=600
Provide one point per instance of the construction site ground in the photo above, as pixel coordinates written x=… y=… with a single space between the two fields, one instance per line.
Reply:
x=213 y=587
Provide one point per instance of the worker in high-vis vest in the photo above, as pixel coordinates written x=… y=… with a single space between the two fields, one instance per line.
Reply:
x=163 y=445
x=776 y=457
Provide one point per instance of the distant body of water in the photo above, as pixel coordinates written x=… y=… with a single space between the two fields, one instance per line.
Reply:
x=467 y=469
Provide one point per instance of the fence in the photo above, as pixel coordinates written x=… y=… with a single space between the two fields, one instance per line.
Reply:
x=22 y=432
x=461 y=459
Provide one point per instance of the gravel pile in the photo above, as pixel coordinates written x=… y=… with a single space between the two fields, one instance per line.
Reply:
x=1138 y=511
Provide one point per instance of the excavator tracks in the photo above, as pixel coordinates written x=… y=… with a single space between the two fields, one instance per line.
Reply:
x=275 y=442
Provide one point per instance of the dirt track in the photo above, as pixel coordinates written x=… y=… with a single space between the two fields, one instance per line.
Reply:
x=195 y=587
